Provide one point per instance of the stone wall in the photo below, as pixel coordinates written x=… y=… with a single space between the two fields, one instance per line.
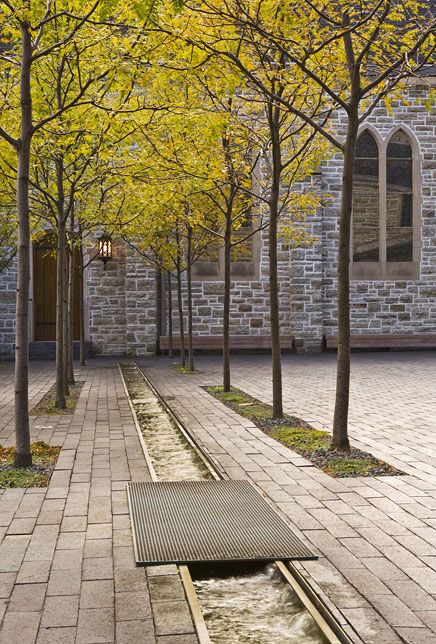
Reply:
x=394 y=306
x=121 y=305
x=121 y=300
x=249 y=309
x=8 y=294
x=106 y=294
x=140 y=306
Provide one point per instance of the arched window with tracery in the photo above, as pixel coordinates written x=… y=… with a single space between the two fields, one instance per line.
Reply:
x=366 y=200
x=386 y=198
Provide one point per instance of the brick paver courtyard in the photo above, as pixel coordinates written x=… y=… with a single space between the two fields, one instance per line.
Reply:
x=67 y=572
x=376 y=537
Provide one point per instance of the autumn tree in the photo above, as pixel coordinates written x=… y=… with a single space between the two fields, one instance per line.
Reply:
x=286 y=148
x=348 y=57
x=36 y=38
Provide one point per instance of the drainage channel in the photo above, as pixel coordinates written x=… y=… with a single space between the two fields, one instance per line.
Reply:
x=232 y=603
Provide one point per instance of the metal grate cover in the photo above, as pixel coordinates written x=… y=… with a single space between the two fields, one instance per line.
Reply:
x=191 y=521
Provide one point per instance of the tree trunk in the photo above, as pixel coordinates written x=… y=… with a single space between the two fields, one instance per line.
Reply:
x=181 y=323
x=71 y=280
x=82 y=307
x=66 y=332
x=226 y=306
x=340 y=421
x=274 y=122
x=170 y=316
x=189 y=280
x=23 y=456
x=158 y=309
x=60 y=279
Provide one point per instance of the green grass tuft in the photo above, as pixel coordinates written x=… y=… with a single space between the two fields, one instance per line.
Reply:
x=185 y=370
x=44 y=457
x=22 y=478
x=303 y=438
x=343 y=466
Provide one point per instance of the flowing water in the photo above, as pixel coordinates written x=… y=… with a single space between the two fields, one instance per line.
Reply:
x=240 y=606
x=255 y=608
x=172 y=456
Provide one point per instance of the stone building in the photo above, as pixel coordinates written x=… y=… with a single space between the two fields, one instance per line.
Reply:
x=393 y=264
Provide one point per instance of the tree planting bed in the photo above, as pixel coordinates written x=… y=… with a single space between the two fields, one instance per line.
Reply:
x=313 y=444
x=44 y=458
x=47 y=407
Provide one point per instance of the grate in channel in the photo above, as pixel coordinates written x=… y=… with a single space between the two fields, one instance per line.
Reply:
x=192 y=521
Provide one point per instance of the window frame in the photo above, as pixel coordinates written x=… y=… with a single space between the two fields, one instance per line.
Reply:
x=213 y=271
x=384 y=270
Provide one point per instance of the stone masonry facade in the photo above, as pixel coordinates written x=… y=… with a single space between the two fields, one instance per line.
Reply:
x=122 y=305
x=394 y=306
x=8 y=283
x=249 y=309
x=121 y=300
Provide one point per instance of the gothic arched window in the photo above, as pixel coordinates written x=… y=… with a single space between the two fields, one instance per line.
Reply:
x=385 y=204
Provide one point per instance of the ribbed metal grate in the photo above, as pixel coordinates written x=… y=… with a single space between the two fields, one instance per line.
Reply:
x=190 y=521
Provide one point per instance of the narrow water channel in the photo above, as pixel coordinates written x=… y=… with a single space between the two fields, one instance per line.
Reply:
x=254 y=606
x=241 y=603
x=172 y=456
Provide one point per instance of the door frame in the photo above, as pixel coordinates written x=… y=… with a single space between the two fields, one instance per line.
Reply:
x=32 y=296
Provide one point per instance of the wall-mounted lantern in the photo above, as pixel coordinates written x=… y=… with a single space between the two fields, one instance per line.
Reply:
x=105 y=249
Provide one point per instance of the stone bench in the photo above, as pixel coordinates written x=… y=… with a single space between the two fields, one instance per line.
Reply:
x=387 y=341
x=237 y=342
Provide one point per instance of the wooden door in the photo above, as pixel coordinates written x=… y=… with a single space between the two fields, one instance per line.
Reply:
x=44 y=292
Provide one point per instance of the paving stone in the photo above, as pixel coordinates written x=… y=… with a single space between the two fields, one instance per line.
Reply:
x=64 y=583
x=27 y=597
x=412 y=595
x=12 y=551
x=165 y=588
x=98 y=568
x=123 y=557
x=95 y=625
x=71 y=541
x=73 y=524
x=130 y=580
x=67 y=560
x=416 y=635
x=177 y=639
x=168 y=569
x=19 y=628
x=132 y=605
x=33 y=572
x=428 y=617
x=395 y=611
x=60 y=611
x=372 y=628
x=21 y=526
x=172 y=618
x=98 y=548
x=99 y=531
x=97 y=594
x=139 y=632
